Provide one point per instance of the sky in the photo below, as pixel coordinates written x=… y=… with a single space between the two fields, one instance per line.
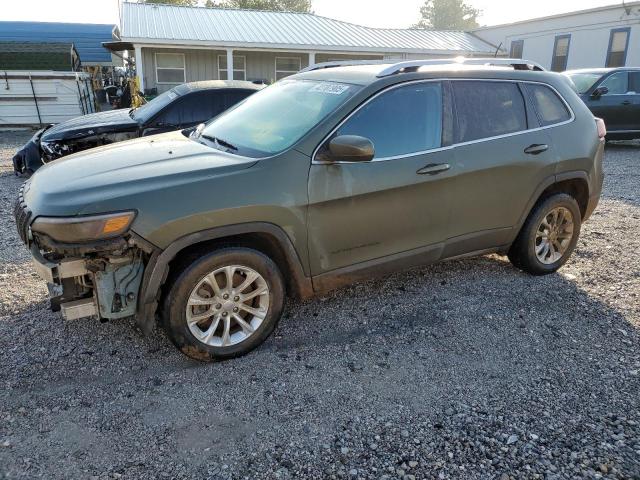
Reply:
x=390 y=14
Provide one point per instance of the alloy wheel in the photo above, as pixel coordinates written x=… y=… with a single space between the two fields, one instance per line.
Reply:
x=553 y=236
x=227 y=306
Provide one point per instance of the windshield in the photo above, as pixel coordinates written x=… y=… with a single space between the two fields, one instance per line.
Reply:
x=273 y=119
x=584 y=81
x=145 y=112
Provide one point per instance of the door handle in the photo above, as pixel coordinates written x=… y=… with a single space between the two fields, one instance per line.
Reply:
x=626 y=102
x=536 y=148
x=433 y=169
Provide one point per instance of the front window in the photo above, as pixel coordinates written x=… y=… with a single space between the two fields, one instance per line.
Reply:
x=584 y=81
x=275 y=118
x=617 y=83
x=403 y=121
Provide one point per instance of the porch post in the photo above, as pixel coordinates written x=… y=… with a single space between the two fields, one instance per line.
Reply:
x=229 y=63
x=139 y=69
x=312 y=59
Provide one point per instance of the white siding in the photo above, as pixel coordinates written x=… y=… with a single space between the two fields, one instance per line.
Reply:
x=589 y=32
x=58 y=98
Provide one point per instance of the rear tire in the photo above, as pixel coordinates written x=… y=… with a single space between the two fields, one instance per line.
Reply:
x=223 y=304
x=548 y=236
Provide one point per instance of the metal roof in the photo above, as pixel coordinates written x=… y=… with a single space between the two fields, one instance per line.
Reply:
x=181 y=25
x=32 y=56
x=86 y=37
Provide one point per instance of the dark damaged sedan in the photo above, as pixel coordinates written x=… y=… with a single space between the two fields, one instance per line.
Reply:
x=181 y=107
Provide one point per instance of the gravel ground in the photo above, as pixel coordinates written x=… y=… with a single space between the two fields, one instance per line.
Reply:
x=466 y=369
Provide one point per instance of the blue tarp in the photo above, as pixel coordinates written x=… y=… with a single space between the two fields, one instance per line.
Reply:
x=86 y=37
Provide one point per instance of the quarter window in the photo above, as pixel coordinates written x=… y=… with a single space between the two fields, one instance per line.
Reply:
x=170 y=68
x=239 y=67
x=560 y=53
x=618 y=43
x=488 y=109
x=548 y=105
x=286 y=66
x=401 y=121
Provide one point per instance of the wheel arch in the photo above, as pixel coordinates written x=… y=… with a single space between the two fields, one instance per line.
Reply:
x=264 y=237
x=575 y=183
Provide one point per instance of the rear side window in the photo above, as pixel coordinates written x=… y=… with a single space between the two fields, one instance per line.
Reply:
x=488 y=109
x=549 y=107
x=401 y=121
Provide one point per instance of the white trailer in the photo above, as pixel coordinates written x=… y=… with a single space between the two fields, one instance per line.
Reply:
x=32 y=98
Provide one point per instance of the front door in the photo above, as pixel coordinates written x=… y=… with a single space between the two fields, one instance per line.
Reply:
x=616 y=107
x=360 y=212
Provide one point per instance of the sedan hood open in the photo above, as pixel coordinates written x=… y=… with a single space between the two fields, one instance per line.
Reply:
x=92 y=124
x=114 y=176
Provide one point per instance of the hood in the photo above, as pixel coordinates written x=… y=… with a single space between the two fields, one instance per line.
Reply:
x=94 y=123
x=123 y=175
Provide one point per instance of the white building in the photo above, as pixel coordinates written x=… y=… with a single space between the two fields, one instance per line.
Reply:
x=599 y=37
x=175 y=44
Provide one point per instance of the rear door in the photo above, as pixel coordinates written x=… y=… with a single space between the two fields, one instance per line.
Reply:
x=359 y=212
x=501 y=157
x=634 y=98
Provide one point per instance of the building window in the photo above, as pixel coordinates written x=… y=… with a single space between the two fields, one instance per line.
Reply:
x=239 y=67
x=618 y=43
x=516 y=48
x=560 y=53
x=170 y=68
x=286 y=66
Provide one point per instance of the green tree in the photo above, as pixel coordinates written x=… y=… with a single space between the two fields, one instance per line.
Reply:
x=303 y=6
x=447 y=15
x=185 y=3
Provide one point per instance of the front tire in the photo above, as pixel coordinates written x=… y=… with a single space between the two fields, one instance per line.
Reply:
x=224 y=304
x=548 y=236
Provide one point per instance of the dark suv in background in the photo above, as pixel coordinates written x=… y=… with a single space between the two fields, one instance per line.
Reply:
x=321 y=179
x=183 y=106
x=612 y=94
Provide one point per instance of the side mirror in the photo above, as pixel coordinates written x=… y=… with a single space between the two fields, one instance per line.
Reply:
x=598 y=92
x=351 y=148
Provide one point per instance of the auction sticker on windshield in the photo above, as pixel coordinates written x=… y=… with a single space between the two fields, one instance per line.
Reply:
x=332 y=88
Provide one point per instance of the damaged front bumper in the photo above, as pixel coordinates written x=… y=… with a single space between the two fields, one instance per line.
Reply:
x=104 y=285
x=29 y=158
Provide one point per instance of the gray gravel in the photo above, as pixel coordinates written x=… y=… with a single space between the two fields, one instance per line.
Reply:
x=466 y=369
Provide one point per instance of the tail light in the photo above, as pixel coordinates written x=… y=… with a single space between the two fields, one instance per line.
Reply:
x=602 y=128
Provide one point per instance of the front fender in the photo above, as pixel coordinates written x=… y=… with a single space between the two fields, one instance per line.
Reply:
x=157 y=268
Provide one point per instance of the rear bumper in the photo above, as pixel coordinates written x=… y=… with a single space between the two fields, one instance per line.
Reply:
x=596 y=183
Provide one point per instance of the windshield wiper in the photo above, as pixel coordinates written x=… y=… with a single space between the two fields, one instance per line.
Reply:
x=220 y=142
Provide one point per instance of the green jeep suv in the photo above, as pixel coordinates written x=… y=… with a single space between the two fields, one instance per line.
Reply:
x=329 y=176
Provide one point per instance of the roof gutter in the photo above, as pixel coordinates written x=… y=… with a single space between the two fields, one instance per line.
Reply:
x=339 y=49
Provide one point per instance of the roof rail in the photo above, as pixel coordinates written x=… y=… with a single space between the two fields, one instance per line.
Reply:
x=343 y=63
x=414 y=65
